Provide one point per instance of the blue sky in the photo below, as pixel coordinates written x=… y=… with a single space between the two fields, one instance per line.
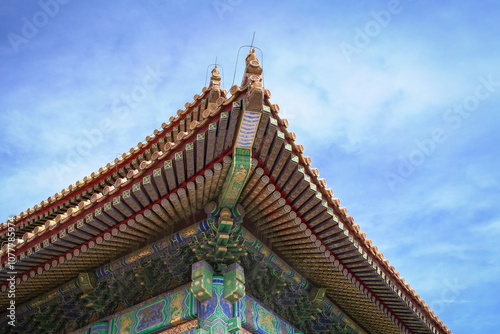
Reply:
x=395 y=102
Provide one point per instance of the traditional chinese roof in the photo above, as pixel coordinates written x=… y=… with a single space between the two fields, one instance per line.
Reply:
x=234 y=151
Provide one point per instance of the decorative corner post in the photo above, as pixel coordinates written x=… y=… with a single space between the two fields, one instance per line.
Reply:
x=220 y=287
x=220 y=296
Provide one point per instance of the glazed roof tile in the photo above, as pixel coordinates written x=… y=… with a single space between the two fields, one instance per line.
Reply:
x=358 y=265
x=391 y=276
x=23 y=219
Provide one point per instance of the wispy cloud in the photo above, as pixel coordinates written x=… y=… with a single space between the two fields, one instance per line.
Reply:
x=357 y=119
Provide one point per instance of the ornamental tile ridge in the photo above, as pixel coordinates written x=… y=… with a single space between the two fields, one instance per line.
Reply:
x=79 y=186
x=322 y=256
x=334 y=203
x=343 y=211
x=56 y=225
x=81 y=209
x=109 y=190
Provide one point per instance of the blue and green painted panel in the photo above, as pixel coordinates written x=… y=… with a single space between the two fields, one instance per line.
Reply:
x=258 y=319
x=164 y=311
x=216 y=311
x=171 y=309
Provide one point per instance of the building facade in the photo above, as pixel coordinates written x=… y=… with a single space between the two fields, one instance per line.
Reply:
x=217 y=223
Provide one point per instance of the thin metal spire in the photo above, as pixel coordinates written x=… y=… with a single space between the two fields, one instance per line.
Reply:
x=251 y=45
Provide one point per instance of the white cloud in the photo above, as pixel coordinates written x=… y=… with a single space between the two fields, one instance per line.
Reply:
x=355 y=119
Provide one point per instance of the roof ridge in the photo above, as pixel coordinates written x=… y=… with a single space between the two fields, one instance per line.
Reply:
x=31 y=237
x=354 y=228
x=62 y=196
x=99 y=196
x=215 y=99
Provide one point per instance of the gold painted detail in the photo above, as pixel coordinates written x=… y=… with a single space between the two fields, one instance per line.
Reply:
x=87 y=282
x=202 y=276
x=236 y=178
x=176 y=308
x=266 y=321
x=182 y=328
x=234 y=283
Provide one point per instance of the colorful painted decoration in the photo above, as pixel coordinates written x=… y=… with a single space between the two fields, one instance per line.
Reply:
x=234 y=283
x=202 y=276
x=167 y=310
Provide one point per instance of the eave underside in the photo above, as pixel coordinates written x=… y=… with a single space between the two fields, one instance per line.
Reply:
x=166 y=264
